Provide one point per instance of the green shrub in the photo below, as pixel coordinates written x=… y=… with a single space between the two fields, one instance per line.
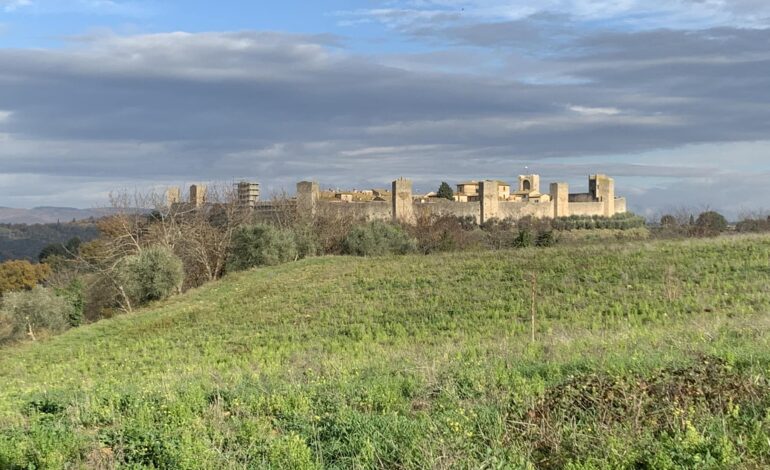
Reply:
x=263 y=245
x=33 y=311
x=153 y=274
x=377 y=239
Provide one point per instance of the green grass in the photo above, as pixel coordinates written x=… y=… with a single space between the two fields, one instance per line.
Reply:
x=647 y=355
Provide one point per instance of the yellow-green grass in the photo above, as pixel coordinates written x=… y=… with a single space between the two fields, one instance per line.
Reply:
x=418 y=361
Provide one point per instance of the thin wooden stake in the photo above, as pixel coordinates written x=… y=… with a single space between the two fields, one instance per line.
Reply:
x=30 y=333
x=534 y=305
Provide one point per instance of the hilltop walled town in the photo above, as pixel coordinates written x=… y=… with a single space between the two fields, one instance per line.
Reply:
x=481 y=200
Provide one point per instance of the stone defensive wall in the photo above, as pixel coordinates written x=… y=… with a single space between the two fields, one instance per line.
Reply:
x=404 y=207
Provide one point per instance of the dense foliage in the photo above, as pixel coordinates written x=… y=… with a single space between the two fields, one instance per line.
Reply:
x=646 y=355
x=153 y=274
x=262 y=245
x=753 y=225
x=21 y=275
x=32 y=312
x=68 y=250
x=710 y=224
x=584 y=222
x=445 y=191
x=378 y=239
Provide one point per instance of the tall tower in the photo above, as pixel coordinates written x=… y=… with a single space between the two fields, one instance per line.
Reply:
x=602 y=188
x=308 y=193
x=489 y=197
x=529 y=183
x=173 y=196
x=403 y=206
x=560 y=198
x=198 y=195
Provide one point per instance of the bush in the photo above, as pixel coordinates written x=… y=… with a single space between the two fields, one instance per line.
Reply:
x=261 y=245
x=710 y=224
x=625 y=221
x=377 y=239
x=33 y=311
x=499 y=234
x=443 y=233
x=668 y=220
x=74 y=293
x=545 y=239
x=153 y=274
x=755 y=225
x=306 y=240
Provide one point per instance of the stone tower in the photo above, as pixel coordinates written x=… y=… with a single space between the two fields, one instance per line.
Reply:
x=529 y=183
x=490 y=204
x=173 y=195
x=560 y=198
x=198 y=195
x=403 y=206
x=308 y=193
x=602 y=187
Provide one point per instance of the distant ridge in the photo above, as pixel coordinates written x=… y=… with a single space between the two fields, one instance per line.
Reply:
x=49 y=214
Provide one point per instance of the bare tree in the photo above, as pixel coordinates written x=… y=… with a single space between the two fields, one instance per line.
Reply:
x=202 y=236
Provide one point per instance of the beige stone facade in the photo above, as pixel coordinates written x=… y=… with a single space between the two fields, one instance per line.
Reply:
x=482 y=200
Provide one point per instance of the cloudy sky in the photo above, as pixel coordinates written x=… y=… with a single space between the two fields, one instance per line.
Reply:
x=671 y=98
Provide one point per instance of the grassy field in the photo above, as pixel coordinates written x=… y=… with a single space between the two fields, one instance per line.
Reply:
x=647 y=355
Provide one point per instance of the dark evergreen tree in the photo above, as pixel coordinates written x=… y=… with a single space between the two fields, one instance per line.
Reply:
x=445 y=191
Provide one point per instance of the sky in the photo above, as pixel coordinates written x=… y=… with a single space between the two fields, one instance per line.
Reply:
x=671 y=98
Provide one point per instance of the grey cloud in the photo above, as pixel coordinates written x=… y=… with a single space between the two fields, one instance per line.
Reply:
x=280 y=108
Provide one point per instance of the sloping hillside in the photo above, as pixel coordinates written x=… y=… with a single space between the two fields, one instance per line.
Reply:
x=653 y=354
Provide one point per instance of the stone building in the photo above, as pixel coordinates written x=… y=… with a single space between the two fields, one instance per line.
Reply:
x=248 y=193
x=481 y=200
x=198 y=195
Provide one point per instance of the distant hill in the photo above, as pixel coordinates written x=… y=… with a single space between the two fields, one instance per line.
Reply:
x=25 y=241
x=48 y=215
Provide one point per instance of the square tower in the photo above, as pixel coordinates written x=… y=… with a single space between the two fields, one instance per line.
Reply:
x=602 y=188
x=173 y=196
x=529 y=184
x=403 y=206
x=198 y=195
